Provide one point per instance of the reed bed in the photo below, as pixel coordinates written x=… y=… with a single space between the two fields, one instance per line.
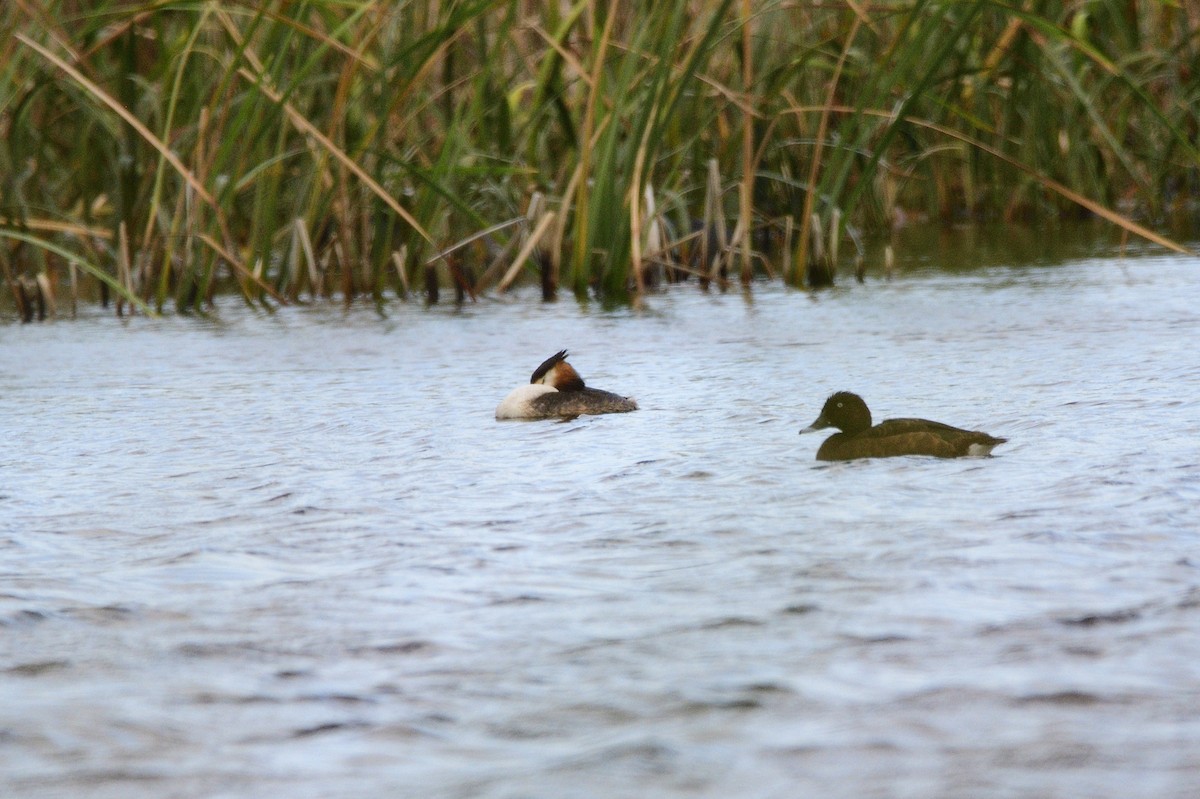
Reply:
x=155 y=154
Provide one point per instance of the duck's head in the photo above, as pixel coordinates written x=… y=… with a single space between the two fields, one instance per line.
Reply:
x=556 y=372
x=845 y=411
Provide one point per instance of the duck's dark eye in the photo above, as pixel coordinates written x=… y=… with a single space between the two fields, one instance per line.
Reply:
x=839 y=404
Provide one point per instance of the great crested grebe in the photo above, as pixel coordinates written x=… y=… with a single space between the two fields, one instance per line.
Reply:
x=858 y=439
x=556 y=391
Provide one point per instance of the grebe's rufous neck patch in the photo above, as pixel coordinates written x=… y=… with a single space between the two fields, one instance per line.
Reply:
x=555 y=371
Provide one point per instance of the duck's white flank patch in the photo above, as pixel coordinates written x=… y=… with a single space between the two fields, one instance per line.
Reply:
x=516 y=404
x=979 y=450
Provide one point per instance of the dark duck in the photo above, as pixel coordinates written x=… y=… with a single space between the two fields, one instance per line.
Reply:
x=859 y=439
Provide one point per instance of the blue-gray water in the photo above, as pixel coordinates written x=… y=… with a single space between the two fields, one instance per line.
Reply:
x=295 y=555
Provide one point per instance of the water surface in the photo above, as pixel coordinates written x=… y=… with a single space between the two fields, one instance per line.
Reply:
x=295 y=555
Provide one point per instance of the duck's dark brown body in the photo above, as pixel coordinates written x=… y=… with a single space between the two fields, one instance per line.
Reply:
x=893 y=437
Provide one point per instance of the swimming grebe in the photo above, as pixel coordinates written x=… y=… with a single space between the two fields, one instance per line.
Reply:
x=556 y=391
x=859 y=439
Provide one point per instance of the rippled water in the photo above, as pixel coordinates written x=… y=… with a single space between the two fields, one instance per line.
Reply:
x=294 y=555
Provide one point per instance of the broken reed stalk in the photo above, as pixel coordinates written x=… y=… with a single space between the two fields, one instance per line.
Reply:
x=835 y=237
x=28 y=297
x=399 y=258
x=304 y=242
x=715 y=245
x=816 y=261
x=123 y=266
x=73 y=276
x=789 y=227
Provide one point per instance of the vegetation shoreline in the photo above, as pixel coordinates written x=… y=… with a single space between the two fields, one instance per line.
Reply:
x=167 y=152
